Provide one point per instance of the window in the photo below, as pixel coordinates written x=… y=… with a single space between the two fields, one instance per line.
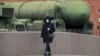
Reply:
x=98 y=27
x=99 y=10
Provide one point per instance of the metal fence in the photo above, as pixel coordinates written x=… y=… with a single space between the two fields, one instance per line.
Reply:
x=96 y=32
x=88 y=32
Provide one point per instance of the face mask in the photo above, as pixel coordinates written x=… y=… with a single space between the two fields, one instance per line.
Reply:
x=47 y=21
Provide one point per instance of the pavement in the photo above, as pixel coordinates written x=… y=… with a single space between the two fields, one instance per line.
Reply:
x=61 y=55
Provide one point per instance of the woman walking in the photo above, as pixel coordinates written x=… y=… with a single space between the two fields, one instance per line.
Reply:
x=47 y=34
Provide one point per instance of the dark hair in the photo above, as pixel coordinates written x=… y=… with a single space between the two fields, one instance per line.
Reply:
x=49 y=18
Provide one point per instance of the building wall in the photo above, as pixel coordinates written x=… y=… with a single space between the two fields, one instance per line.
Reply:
x=95 y=14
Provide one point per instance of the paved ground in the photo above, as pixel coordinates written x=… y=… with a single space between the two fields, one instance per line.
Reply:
x=30 y=44
x=62 y=55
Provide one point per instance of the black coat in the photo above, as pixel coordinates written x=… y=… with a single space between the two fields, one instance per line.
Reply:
x=44 y=33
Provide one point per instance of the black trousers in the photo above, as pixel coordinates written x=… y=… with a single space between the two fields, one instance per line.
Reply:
x=47 y=47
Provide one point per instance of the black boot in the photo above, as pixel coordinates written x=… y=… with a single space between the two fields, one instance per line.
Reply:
x=45 y=54
x=49 y=54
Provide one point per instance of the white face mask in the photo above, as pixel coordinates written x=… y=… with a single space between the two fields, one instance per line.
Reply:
x=47 y=21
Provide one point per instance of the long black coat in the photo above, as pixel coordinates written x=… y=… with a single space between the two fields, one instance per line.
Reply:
x=44 y=33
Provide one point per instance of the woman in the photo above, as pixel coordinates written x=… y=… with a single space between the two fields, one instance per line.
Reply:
x=47 y=34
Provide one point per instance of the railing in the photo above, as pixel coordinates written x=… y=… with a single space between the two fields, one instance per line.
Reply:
x=96 y=32
x=88 y=32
